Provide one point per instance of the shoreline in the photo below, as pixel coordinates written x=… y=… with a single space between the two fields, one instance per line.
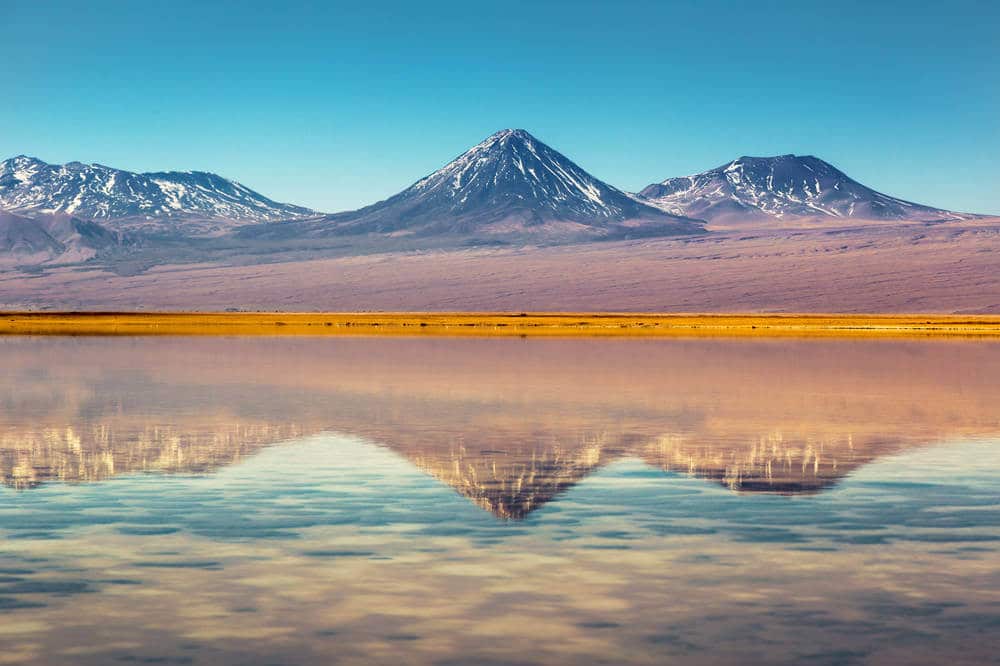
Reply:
x=554 y=324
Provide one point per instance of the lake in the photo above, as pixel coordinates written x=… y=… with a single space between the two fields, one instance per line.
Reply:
x=499 y=501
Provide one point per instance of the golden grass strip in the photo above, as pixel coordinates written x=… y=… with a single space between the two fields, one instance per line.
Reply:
x=496 y=324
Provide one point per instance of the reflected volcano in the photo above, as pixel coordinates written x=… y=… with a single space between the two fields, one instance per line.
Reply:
x=509 y=424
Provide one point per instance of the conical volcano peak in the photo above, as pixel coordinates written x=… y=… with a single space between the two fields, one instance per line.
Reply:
x=510 y=165
x=510 y=187
x=513 y=173
x=513 y=133
x=759 y=158
x=506 y=141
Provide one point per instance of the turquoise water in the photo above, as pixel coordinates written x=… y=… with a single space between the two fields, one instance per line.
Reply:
x=277 y=502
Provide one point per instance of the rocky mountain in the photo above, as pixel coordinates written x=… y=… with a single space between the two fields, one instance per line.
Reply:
x=510 y=187
x=59 y=237
x=781 y=188
x=194 y=201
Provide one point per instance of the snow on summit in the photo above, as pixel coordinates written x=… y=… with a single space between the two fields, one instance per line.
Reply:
x=512 y=165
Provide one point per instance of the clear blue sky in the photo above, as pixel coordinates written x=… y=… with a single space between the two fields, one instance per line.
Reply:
x=334 y=105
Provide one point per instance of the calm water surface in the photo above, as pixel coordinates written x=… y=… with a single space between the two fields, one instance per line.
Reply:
x=436 y=501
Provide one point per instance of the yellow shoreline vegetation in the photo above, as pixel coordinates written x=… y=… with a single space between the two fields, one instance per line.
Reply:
x=496 y=324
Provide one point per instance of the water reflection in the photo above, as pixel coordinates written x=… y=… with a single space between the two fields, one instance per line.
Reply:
x=508 y=424
x=498 y=501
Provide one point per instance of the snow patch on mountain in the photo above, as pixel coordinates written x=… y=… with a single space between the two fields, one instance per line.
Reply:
x=781 y=188
x=97 y=192
x=513 y=166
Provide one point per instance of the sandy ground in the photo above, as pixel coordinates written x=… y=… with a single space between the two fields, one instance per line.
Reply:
x=565 y=324
x=947 y=268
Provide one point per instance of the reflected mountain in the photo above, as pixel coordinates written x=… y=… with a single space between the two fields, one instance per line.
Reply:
x=511 y=481
x=99 y=451
x=508 y=423
x=769 y=463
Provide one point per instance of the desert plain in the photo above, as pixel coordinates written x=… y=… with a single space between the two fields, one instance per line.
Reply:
x=945 y=268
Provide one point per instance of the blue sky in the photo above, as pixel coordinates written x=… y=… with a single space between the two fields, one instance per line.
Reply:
x=335 y=105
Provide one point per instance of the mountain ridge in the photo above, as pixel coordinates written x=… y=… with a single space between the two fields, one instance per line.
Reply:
x=510 y=189
x=197 y=201
x=781 y=188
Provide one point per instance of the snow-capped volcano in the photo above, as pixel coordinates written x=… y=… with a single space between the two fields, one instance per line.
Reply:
x=96 y=192
x=509 y=186
x=514 y=169
x=781 y=188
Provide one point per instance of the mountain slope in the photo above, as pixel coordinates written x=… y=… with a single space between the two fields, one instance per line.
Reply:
x=785 y=187
x=511 y=187
x=47 y=238
x=135 y=200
